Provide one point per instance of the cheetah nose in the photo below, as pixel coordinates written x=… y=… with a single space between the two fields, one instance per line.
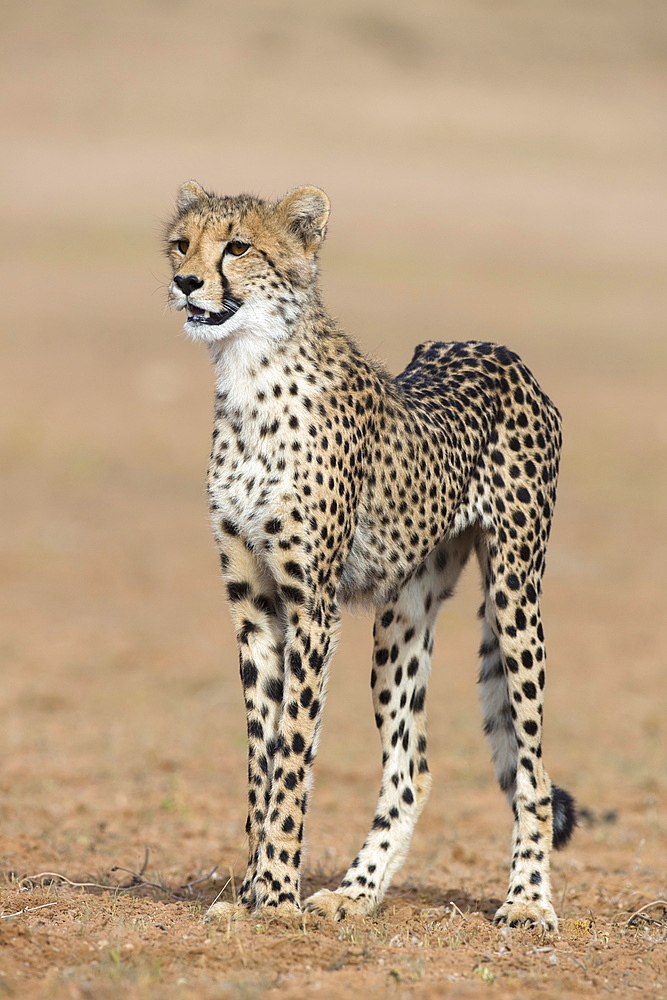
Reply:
x=187 y=282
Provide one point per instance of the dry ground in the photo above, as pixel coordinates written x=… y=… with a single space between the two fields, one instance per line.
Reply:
x=496 y=171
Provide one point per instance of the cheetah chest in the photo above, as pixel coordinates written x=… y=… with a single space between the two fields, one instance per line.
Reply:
x=246 y=491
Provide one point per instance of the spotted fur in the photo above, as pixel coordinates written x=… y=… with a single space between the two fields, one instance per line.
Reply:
x=332 y=482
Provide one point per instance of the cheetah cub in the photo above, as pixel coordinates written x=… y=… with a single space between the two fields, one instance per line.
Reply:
x=332 y=482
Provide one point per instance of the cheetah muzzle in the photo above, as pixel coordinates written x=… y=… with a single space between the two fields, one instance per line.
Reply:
x=206 y=318
x=331 y=481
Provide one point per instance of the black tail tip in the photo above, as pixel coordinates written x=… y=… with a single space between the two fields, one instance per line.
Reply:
x=565 y=816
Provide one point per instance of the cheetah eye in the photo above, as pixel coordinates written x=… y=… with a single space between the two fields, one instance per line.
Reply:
x=181 y=246
x=237 y=247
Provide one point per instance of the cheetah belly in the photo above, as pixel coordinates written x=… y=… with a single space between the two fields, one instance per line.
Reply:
x=383 y=555
x=372 y=570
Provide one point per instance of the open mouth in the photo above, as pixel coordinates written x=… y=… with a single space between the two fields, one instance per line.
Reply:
x=206 y=318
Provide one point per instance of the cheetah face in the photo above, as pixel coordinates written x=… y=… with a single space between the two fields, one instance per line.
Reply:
x=242 y=265
x=206 y=266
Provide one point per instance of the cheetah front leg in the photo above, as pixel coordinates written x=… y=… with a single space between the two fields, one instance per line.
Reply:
x=255 y=608
x=403 y=636
x=310 y=642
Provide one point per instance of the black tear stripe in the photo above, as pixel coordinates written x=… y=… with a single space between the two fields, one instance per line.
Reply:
x=230 y=303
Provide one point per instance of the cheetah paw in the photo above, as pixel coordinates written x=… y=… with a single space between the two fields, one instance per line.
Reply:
x=536 y=913
x=270 y=908
x=337 y=906
x=225 y=911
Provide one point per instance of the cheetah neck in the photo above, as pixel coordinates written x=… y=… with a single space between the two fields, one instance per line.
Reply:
x=253 y=369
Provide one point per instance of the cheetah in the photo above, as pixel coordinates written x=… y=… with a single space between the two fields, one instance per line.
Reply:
x=331 y=482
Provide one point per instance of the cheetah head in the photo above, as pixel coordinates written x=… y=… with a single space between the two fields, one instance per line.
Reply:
x=241 y=264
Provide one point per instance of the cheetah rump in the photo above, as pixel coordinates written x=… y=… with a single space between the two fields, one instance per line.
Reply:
x=331 y=482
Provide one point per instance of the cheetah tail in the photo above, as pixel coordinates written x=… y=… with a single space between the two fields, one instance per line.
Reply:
x=565 y=816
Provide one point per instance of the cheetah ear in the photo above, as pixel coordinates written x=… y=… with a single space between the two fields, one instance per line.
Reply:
x=306 y=212
x=188 y=194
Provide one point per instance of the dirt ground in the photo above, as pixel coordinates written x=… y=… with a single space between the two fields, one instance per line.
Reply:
x=496 y=171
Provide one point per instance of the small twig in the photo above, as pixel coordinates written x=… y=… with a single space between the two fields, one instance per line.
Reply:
x=63 y=878
x=138 y=880
x=648 y=906
x=187 y=886
x=26 y=909
x=138 y=877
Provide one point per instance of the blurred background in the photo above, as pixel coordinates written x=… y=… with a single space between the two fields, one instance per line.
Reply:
x=496 y=171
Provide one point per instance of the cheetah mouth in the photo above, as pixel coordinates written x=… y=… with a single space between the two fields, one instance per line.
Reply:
x=202 y=317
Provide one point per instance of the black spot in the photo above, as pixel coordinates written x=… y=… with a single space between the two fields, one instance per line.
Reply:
x=293 y=569
x=417 y=700
x=315 y=660
x=292 y=594
x=238 y=591
x=274 y=689
x=248 y=674
x=247 y=629
x=296 y=667
x=265 y=604
x=381 y=823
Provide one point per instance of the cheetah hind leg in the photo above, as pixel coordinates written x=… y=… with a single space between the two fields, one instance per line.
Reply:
x=403 y=636
x=511 y=683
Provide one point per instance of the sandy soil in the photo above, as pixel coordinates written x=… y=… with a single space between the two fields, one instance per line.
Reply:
x=495 y=171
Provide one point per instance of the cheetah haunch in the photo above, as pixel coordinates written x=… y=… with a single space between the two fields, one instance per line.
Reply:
x=332 y=482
